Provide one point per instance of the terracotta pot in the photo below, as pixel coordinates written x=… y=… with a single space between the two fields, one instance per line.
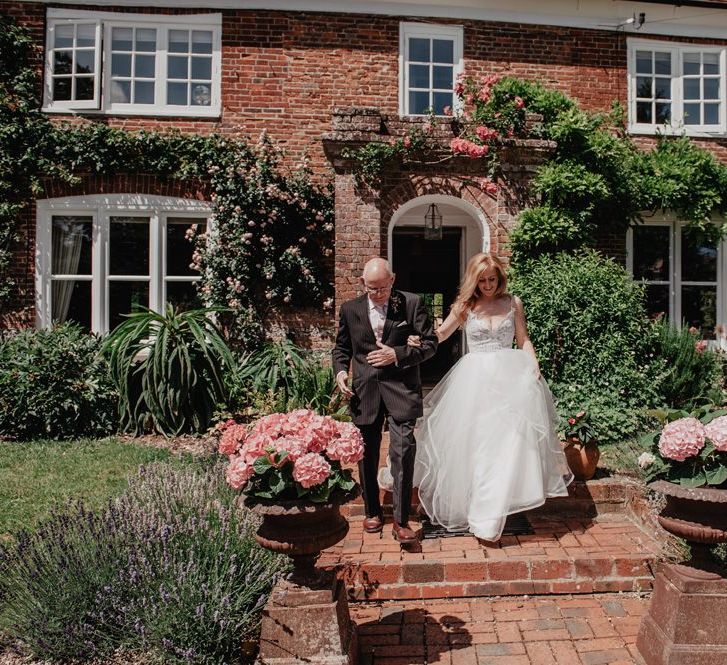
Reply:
x=697 y=514
x=582 y=459
x=301 y=529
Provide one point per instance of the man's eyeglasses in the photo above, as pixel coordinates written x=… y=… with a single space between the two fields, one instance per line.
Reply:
x=378 y=289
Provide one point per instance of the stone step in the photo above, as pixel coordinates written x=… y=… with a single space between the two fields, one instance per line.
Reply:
x=565 y=555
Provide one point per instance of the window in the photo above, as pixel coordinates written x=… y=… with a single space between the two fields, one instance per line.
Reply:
x=102 y=257
x=676 y=86
x=430 y=57
x=133 y=64
x=683 y=275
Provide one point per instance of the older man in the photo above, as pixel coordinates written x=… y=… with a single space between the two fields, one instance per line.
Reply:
x=371 y=340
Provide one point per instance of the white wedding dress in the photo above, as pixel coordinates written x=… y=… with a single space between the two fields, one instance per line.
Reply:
x=487 y=446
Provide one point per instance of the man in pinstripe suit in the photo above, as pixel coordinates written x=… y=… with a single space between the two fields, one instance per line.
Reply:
x=372 y=336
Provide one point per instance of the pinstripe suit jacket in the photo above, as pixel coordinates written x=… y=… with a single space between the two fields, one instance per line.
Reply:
x=399 y=385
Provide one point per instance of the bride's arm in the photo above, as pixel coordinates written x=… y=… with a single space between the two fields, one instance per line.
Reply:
x=521 y=333
x=444 y=330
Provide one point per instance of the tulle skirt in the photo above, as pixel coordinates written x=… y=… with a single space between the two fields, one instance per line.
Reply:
x=486 y=445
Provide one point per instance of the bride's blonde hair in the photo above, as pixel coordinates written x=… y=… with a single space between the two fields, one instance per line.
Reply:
x=469 y=290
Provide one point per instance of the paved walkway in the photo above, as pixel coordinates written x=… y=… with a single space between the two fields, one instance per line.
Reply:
x=557 y=630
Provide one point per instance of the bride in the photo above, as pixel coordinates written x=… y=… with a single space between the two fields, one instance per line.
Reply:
x=486 y=445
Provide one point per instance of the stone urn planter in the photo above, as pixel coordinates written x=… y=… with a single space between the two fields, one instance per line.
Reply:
x=307 y=617
x=582 y=458
x=687 y=619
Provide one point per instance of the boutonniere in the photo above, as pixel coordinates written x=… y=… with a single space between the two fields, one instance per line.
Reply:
x=396 y=304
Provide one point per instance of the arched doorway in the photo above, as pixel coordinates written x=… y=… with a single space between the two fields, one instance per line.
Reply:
x=433 y=268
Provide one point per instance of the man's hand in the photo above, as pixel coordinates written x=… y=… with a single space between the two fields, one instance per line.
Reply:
x=342 y=383
x=383 y=356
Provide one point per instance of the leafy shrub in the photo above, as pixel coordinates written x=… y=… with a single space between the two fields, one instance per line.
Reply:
x=596 y=347
x=170 y=570
x=169 y=370
x=55 y=383
x=692 y=373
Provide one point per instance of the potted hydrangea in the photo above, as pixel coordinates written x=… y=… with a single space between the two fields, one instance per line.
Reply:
x=289 y=467
x=580 y=446
x=688 y=464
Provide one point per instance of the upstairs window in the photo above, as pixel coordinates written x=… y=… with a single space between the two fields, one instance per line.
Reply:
x=430 y=57
x=133 y=64
x=676 y=87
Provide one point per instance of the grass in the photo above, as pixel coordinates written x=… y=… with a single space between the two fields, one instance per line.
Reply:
x=622 y=457
x=36 y=475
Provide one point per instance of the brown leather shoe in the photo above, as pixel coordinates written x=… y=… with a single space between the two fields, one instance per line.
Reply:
x=404 y=534
x=373 y=524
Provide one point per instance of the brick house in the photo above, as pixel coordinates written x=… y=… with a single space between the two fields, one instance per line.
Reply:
x=320 y=76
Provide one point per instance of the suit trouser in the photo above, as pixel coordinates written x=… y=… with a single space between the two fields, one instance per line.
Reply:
x=402 y=451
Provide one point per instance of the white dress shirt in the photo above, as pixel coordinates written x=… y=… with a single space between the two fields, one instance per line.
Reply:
x=377 y=317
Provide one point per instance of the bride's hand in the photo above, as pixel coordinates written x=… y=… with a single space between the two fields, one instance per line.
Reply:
x=414 y=340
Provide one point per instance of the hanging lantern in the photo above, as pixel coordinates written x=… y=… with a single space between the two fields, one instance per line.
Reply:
x=433 y=223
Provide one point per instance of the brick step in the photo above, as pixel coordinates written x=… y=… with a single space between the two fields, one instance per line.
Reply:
x=608 y=553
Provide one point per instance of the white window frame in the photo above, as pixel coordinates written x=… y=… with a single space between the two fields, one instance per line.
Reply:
x=677 y=125
x=163 y=23
x=101 y=207
x=430 y=31
x=675 y=277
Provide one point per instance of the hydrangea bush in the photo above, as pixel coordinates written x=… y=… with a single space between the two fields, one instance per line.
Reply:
x=290 y=456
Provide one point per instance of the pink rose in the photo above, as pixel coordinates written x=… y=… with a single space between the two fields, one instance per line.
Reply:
x=311 y=469
x=348 y=448
x=571 y=421
x=701 y=345
x=447 y=110
x=407 y=139
x=681 y=439
x=490 y=187
x=485 y=133
x=717 y=433
x=519 y=103
x=239 y=472
x=232 y=438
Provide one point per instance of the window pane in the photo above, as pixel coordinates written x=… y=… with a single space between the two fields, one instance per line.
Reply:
x=121 y=39
x=711 y=88
x=85 y=61
x=71 y=301
x=691 y=89
x=177 y=68
x=179 y=248
x=183 y=295
x=699 y=309
x=63 y=36
x=657 y=300
x=662 y=88
x=651 y=253
x=662 y=63
x=443 y=51
x=418 y=102
x=201 y=41
x=201 y=95
x=144 y=92
x=177 y=94
x=643 y=112
x=663 y=113
x=144 y=66
x=711 y=63
x=691 y=63
x=643 y=62
x=61 y=89
x=419 y=49
x=71 y=245
x=179 y=41
x=202 y=68
x=125 y=298
x=121 y=92
x=711 y=114
x=441 y=99
x=699 y=260
x=84 y=87
x=442 y=77
x=62 y=62
x=129 y=246
x=691 y=114
x=86 y=36
x=418 y=76
x=120 y=64
x=643 y=87
x=146 y=39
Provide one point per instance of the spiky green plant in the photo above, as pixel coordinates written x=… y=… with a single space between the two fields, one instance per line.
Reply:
x=169 y=370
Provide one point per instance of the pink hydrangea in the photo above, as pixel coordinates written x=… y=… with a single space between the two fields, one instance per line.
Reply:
x=681 y=439
x=239 y=472
x=348 y=448
x=293 y=445
x=256 y=445
x=321 y=430
x=272 y=425
x=717 y=433
x=232 y=438
x=311 y=469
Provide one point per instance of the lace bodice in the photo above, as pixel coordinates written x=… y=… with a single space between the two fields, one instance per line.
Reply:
x=482 y=338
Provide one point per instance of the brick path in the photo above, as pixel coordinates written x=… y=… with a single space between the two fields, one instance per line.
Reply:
x=557 y=630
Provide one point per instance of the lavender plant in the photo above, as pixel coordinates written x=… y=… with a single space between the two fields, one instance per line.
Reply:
x=169 y=570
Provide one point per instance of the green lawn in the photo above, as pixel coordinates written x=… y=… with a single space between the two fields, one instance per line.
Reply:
x=36 y=475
